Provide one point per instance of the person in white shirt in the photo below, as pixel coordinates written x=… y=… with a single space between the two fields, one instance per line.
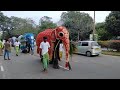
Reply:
x=44 y=47
x=17 y=47
x=61 y=50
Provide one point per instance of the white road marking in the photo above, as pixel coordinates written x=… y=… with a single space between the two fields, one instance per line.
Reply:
x=63 y=67
x=2 y=69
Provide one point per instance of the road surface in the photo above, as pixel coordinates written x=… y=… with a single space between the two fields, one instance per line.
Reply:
x=26 y=66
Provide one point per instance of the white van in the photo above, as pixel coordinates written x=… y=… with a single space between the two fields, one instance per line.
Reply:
x=88 y=48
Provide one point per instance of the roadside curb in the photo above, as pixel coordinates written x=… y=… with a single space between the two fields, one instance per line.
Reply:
x=110 y=55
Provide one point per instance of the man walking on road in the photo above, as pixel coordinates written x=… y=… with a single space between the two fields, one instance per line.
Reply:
x=44 y=46
x=17 y=47
x=7 y=49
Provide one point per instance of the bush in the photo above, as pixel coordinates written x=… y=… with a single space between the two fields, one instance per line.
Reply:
x=104 y=44
x=115 y=44
x=112 y=44
x=72 y=47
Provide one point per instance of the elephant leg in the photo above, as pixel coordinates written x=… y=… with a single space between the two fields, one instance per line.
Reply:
x=55 y=63
x=56 y=58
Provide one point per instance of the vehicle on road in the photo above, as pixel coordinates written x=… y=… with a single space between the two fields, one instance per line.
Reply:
x=88 y=48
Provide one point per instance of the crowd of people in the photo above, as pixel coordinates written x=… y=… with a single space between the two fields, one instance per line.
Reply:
x=5 y=50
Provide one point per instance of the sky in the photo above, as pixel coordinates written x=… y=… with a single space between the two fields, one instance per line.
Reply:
x=36 y=15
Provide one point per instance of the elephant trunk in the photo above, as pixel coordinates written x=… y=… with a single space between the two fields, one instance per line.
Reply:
x=67 y=48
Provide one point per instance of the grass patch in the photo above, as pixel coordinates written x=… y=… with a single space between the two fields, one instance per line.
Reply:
x=113 y=53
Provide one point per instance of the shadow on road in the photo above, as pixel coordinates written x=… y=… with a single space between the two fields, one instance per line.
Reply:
x=86 y=56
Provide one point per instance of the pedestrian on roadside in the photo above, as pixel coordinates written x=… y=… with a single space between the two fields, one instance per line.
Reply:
x=7 y=49
x=44 y=47
x=17 y=47
x=28 y=46
x=1 y=47
x=60 y=51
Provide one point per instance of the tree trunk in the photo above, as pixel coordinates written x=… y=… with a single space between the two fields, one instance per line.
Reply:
x=78 y=35
x=3 y=35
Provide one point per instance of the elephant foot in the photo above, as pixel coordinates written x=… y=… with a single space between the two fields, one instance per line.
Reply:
x=56 y=67
x=55 y=63
x=51 y=62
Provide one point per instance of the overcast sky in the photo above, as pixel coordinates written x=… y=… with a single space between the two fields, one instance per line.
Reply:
x=36 y=15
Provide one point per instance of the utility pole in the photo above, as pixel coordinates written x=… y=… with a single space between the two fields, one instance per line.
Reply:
x=94 y=28
x=78 y=35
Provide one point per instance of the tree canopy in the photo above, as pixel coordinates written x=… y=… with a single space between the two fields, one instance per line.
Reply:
x=45 y=23
x=22 y=26
x=103 y=34
x=5 y=24
x=80 y=24
x=112 y=23
x=16 y=26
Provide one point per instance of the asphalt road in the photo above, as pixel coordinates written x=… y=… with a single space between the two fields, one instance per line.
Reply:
x=27 y=66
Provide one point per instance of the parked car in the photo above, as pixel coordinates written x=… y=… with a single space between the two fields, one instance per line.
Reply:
x=88 y=48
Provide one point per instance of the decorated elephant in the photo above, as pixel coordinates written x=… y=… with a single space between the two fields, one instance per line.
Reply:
x=55 y=36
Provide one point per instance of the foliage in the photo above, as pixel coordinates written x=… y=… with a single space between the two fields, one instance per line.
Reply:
x=115 y=44
x=112 y=23
x=16 y=26
x=22 y=26
x=104 y=44
x=112 y=44
x=46 y=23
x=72 y=48
x=80 y=24
x=103 y=34
x=5 y=24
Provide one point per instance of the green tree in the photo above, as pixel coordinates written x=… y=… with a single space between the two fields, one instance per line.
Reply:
x=80 y=24
x=112 y=23
x=45 y=23
x=102 y=32
x=16 y=26
x=5 y=25
x=22 y=26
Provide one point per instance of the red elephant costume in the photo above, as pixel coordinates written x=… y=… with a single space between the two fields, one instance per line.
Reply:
x=59 y=33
